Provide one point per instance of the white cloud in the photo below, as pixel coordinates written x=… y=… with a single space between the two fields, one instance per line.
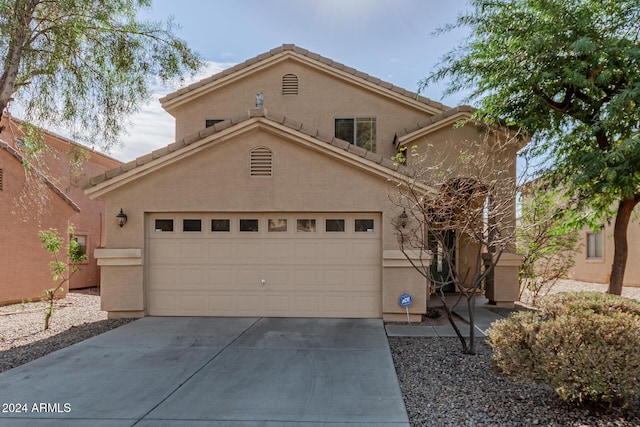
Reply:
x=152 y=127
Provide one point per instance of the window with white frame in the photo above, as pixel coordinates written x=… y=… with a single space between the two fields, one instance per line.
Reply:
x=594 y=245
x=358 y=131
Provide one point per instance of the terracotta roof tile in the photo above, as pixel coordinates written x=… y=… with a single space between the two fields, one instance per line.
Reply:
x=261 y=115
x=310 y=55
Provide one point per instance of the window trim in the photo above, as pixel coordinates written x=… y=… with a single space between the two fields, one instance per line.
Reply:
x=597 y=235
x=355 y=120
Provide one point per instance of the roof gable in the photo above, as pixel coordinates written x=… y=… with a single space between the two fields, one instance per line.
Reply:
x=18 y=157
x=313 y=60
x=432 y=124
x=338 y=149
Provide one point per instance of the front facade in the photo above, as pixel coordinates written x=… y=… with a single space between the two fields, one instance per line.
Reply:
x=30 y=205
x=275 y=198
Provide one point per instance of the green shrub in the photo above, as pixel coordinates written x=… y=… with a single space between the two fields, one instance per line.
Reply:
x=584 y=345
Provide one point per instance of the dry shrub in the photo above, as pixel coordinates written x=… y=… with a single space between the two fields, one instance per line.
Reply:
x=585 y=345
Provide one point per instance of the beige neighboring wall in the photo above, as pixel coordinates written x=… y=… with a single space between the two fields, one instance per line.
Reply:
x=599 y=270
x=89 y=222
x=24 y=263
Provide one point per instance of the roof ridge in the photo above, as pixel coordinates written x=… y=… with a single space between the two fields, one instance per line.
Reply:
x=237 y=119
x=314 y=56
x=54 y=188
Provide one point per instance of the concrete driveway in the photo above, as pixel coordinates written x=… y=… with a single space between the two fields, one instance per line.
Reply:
x=160 y=371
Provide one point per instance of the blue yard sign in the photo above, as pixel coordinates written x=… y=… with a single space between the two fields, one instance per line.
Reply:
x=405 y=300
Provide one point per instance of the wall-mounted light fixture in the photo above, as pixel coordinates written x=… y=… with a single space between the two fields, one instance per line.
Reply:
x=122 y=218
x=403 y=219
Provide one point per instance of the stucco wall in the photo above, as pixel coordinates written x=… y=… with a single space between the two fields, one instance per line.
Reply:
x=599 y=271
x=321 y=99
x=25 y=211
x=217 y=180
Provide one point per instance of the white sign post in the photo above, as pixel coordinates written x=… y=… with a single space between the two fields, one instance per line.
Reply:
x=405 y=301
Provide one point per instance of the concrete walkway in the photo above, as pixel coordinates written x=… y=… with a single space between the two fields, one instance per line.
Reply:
x=215 y=372
x=483 y=320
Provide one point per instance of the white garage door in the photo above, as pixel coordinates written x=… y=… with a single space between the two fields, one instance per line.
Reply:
x=280 y=265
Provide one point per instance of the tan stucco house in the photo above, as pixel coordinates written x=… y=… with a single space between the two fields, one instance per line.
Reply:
x=50 y=199
x=274 y=198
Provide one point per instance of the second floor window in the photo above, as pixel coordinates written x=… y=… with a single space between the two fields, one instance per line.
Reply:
x=358 y=131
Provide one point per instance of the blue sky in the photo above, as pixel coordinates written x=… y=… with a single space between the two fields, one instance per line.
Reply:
x=389 y=39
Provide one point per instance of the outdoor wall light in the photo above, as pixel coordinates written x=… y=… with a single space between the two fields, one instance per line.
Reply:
x=122 y=218
x=403 y=218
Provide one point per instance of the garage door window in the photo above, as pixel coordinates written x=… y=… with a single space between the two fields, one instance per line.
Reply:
x=277 y=225
x=334 y=225
x=164 y=225
x=250 y=225
x=364 y=225
x=190 y=225
x=306 y=225
x=220 y=225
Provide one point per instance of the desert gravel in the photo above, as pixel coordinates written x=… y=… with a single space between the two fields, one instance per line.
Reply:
x=76 y=318
x=440 y=386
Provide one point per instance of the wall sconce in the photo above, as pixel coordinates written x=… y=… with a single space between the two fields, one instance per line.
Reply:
x=403 y=219
x=122 y=218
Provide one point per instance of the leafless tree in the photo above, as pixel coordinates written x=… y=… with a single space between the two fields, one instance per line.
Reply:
x=467 y=220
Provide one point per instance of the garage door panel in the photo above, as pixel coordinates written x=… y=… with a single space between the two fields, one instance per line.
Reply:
x=336 y=252
x=306 y=278
x=192 y=252
x=306 y=274
x=193 y=278
x=367 y=252
x=164 y=278
x=163 y=251
x=249 y=252
x=277 y=305
x=223 y=250
x=277 y=252
x=336 y=278
x=306 y=250
x=220 y=276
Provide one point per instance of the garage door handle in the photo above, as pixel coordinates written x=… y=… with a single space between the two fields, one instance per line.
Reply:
x=263 y=282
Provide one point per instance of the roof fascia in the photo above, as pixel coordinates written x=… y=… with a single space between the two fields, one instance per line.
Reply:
x=433 y=127
x=228 y=134
x=383 y=89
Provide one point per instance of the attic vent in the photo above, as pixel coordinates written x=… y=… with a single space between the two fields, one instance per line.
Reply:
x=1 y=187
x=289 y=84
x=261 y=162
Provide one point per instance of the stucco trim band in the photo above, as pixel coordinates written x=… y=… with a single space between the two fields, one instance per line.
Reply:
x=118 y=257
x=396 y=258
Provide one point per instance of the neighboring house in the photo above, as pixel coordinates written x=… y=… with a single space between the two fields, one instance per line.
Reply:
x=54 y=200
x=594 y=256
x=274 y=198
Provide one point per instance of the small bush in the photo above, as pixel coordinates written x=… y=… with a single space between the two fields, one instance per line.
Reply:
x=584 y=345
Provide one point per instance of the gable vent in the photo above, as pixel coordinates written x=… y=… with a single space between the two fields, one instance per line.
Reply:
x=261 y=163
x=289 y=84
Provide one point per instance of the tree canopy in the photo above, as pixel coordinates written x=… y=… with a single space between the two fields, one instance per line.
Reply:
x=85 y=65
x=567 y=72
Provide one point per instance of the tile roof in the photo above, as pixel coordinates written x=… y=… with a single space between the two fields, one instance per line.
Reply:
x=58 y=191
x=437 y=118
x=310 y=55
x=251 y=114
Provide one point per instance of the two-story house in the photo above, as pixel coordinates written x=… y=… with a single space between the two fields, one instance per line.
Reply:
x=274 y=198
